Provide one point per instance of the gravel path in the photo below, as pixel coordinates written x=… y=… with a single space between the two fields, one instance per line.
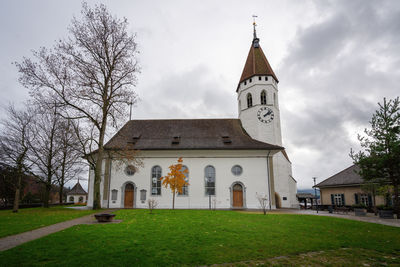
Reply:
x=18 y=239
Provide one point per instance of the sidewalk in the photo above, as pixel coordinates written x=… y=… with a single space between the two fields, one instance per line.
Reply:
x=18 y=239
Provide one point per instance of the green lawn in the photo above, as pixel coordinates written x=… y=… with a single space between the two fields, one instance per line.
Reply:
x=29 y=219
x=196 y=237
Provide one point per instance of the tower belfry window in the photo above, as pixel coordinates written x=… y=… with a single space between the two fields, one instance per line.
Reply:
x=249 y=100
x=263 y=97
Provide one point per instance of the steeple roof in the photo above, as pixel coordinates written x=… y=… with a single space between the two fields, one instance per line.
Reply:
x=77 y=190
x=256 y=63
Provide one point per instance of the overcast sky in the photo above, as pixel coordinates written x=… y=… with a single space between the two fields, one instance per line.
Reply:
x=335 y=61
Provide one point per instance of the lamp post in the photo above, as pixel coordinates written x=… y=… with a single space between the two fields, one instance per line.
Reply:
x=315 y=193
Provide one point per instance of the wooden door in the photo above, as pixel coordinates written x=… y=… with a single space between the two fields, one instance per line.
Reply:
x=237 y=196
x=129 y=196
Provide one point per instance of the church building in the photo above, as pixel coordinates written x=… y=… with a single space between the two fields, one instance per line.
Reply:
x=232 y=163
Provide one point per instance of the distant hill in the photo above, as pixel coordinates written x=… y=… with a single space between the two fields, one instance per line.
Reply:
x=311 y=191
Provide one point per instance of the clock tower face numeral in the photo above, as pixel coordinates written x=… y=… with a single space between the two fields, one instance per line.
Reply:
x=265 y=115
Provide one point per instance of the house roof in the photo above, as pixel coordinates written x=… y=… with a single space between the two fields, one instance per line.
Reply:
x=180 y=134
x=305 y=195
x=348 y=176
x=256 y=63
x=77 y=190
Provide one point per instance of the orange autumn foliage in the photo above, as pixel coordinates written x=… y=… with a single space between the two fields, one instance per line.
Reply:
x=175 y=179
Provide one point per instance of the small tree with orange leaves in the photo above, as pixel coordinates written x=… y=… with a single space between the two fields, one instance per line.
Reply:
x=175 y=179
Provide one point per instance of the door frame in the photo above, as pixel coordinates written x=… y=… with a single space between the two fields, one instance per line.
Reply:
x=123 y=194
x=243 y=195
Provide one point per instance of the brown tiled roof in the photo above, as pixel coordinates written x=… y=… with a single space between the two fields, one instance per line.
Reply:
x=213 y=134
x=256 y=64
x=77 y=190
x=346 y=177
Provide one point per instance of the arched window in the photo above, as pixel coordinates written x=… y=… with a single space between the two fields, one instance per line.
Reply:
x=185 y=188
x=80 y=199
x=249 y=100
x=209 y=177
x=155 y=181
x=71 y=199
x=263 y=98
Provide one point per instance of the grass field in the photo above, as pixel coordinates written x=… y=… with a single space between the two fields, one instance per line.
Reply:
x=29 y=219
x=197 y=237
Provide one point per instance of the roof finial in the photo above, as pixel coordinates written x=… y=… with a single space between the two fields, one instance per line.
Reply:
x=254 y=27
x=255 y=39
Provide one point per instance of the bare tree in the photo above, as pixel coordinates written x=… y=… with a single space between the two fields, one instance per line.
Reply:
x=70 y=160
x=14 y=144
x=262 y=200
x=91 y=75
x=152 y=203
x=45 y=148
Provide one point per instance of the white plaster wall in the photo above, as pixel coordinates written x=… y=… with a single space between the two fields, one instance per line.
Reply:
x=264 y=132
x=285 y=185
x=254 y=178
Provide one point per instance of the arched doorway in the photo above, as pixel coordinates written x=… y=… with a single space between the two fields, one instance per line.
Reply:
x=237 y=196
x=129 y=196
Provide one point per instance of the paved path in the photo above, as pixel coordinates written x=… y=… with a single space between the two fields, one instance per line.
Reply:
x=369 y=218
x=18 y=239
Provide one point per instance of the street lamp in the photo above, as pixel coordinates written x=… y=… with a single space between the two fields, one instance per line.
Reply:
x=315 y=193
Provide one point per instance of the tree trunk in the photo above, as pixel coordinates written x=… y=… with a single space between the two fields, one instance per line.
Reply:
x=18 y=187
x=60 y=192
x=173 y=200
x=47 y=195
x=17 y=194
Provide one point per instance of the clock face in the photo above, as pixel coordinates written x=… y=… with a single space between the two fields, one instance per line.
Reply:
x=265 y=114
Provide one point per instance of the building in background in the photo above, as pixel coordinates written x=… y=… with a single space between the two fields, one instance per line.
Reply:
x=77 y=194
x=345 y=189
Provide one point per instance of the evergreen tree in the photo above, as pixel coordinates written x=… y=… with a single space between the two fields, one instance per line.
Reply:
x=379 y=160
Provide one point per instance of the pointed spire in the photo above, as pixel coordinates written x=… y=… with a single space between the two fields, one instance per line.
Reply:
x=256 y=63
x=255 y=39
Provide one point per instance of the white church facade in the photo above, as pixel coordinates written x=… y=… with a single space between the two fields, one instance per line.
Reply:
x=230 y=162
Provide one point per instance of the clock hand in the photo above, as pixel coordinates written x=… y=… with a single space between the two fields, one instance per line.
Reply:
x=266 y=114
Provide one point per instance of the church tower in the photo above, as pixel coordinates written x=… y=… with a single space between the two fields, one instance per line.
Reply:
x=257 y=95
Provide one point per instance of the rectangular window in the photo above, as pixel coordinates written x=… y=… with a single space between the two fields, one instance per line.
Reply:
x=250 y=80
x=364 y=199
x=114 y=194
x=284 y=198
x=259 y=78
x=266 y=78
x=245 y=83
x=143 y=195
x=338 y=200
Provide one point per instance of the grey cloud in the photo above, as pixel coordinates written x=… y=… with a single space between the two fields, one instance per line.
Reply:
x=195 y=93
x=342 y=66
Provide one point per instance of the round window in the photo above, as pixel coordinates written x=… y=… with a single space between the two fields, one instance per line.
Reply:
x=130 y=170
x=237 y=170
